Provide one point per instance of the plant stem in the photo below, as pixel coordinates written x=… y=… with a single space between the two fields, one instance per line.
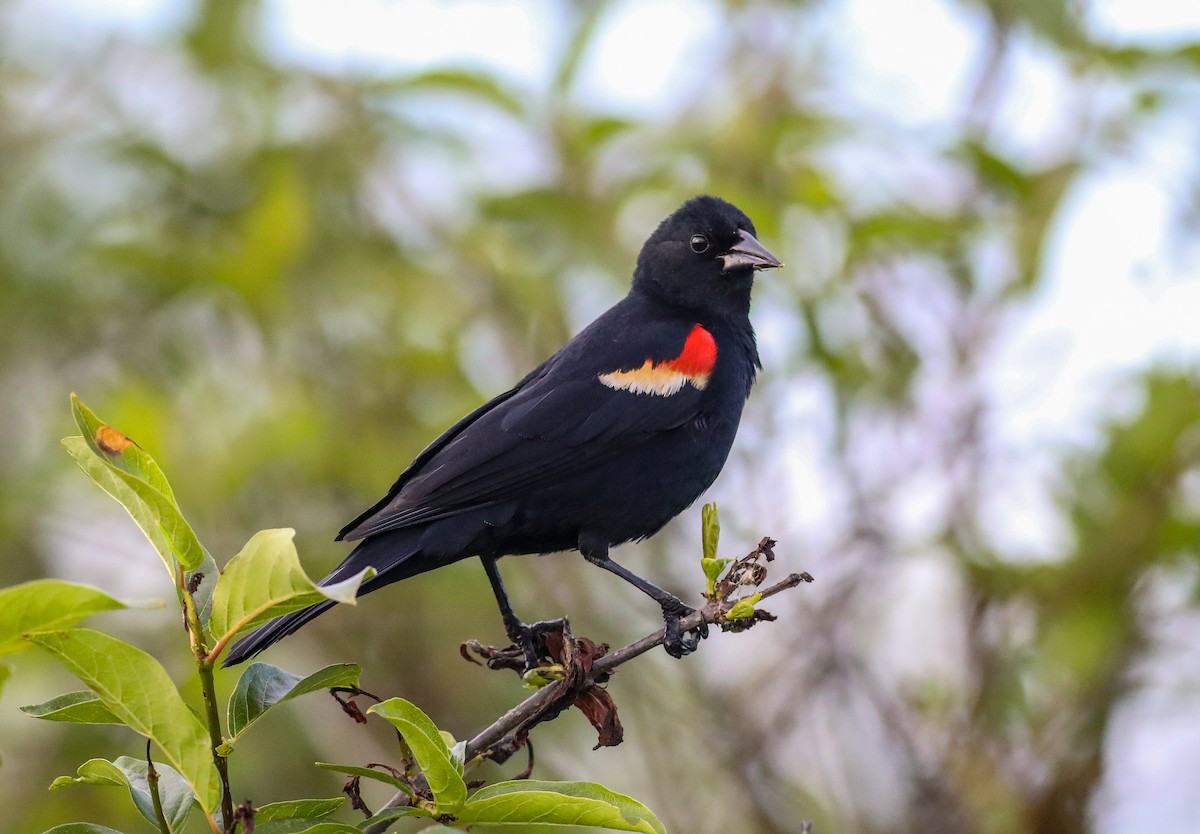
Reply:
x=212 y=716
x=152 y=781
x=213 y=719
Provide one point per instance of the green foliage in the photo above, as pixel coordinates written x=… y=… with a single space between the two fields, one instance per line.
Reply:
x=525 y=802
x=557 y=803
x=265 y=580
x=743 y=608
x=263 y=686
x=135 y=688
x=128 y=474
x=297 y=809
x=74 y=707
x=120 y=452
x=710 y=527
x=474 y=85
x=174 y=791
x=369 y=773
x=46 y=604
x=127 y=686
x=323 y=828
x=430 y=751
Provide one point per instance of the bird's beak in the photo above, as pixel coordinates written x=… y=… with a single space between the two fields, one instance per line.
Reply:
x=749 y=252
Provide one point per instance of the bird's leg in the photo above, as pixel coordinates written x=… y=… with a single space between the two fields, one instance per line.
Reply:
x=673 y=608
x=528 y=638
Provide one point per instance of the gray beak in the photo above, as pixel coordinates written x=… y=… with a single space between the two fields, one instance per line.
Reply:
x=749 y=252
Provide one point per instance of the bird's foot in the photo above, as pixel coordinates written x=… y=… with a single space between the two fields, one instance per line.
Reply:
x=530 y=639
x=677 y=642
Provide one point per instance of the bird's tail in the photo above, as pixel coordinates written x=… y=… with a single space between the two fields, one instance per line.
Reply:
x=394 y=556
x=273 y=632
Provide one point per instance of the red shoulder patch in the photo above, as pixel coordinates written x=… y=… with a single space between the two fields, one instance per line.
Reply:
x=698 y=356
x=693 y=365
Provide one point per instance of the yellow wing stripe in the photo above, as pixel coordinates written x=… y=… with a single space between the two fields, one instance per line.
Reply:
x=651 y=379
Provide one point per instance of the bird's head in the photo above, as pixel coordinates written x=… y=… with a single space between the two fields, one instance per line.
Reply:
x=703 y=257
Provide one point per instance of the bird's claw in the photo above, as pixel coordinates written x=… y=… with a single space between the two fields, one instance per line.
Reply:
x=529 y=639
x=677 y=642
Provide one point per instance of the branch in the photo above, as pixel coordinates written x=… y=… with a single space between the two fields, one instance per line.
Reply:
x=555 y=697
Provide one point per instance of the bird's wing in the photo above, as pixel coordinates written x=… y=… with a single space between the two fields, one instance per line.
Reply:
x=351 y=531
x=594 y=399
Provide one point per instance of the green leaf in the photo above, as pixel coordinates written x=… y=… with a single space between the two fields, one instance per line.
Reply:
x=81 y=828
x=429 y=749
x=288 y=826
x=83 y=707
x=127 y=472
x=204 y=590
x=712 y=572
x=174 y=791
x=597 y=132
x=368 y=773
x=265 y=580
x=473 y=84
x=153 y=523
x=138 y=691
x=5 y=674
x=45 y=605
x=400 y=813
x=710 y=535
x=330 y=828
x=710 y=529
x=118 y=450
x=558 y=803
x=297 y=809
x=154 y=513
x=263 y=686
x=305 y=826
x=743 y=608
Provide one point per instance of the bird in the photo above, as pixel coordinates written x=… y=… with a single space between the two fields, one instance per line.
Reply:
x=603 y=443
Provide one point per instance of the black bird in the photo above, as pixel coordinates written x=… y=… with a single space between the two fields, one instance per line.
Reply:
x=603 y=443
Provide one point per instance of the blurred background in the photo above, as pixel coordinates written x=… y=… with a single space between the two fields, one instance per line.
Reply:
x=283 y=244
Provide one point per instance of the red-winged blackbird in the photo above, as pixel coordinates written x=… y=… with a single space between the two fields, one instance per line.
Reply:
x=603 y=443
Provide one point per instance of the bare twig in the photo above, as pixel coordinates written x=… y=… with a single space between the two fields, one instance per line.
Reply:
x=553 y=698
x=709 y=614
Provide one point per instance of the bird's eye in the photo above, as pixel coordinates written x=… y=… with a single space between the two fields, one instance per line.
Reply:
x=699 y=243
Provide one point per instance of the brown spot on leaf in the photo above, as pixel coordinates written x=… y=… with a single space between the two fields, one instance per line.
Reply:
x=193 y=583
x=111 y=441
